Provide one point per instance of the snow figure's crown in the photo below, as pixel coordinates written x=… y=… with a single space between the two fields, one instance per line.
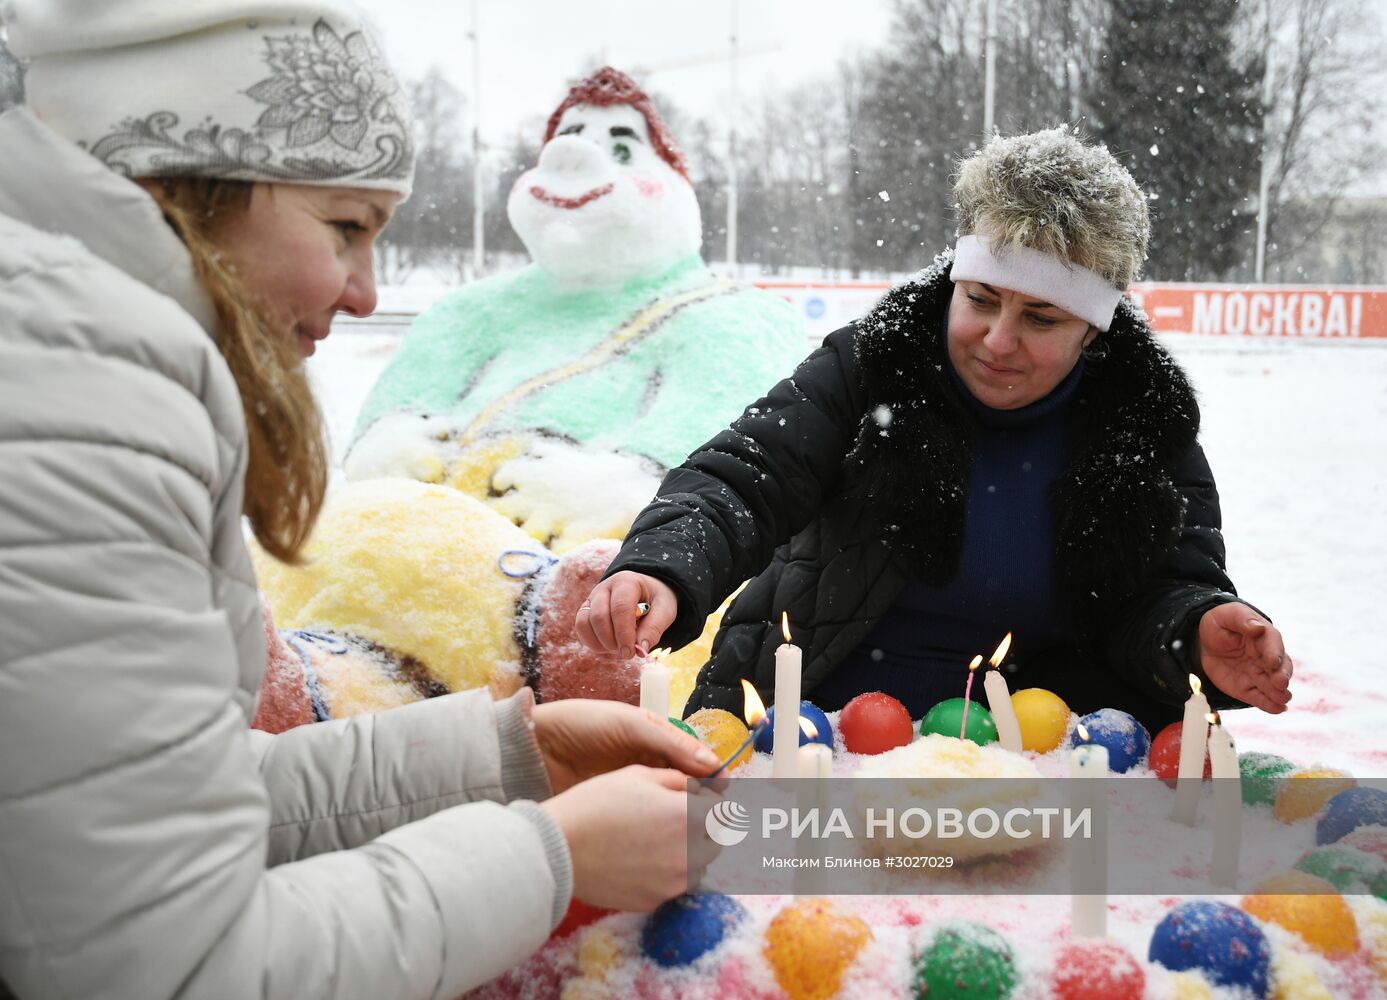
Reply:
x=610 y=86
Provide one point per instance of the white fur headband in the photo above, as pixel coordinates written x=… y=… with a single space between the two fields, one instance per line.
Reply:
x=1074 y=289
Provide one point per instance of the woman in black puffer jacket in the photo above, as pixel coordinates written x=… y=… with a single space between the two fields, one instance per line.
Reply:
x=999 y=445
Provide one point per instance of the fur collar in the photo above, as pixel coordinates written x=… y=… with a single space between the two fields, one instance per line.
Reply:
x=1116 y=512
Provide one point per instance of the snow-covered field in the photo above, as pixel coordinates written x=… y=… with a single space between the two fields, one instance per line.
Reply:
x=1297 y=436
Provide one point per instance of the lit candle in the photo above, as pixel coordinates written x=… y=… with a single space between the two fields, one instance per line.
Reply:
x=789 y=661
x=1228 y=802
x=968 y=697
x=655 y=684
x=1194 y=733
x=755 y=714
x=999 y=701
x=1089 y=874
x=814 y=761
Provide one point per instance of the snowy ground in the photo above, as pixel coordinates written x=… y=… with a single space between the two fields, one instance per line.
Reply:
x=1296 y=433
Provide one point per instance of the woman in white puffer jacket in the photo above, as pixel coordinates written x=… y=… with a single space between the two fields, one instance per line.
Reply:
x=151 y=391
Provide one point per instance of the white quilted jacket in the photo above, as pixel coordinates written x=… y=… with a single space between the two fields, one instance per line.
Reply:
x=151 y=845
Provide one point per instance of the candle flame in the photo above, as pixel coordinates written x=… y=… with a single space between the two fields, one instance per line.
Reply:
x=659 y=653
x=1083 y=732
x=1000 y=653
x=755 y=710
x=977 y=662
x=1195 y=686
x=1211 y=718
x=785 y=624
x=809 y=728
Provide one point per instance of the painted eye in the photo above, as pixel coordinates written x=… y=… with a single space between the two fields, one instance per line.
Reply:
x=622 y=152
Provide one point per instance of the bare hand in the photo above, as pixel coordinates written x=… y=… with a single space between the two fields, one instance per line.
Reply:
x=580 y=738
x=1242 y=653
x=609 y=622
x=628 y=838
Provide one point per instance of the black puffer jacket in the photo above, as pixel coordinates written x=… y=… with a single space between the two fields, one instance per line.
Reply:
x=829 y=516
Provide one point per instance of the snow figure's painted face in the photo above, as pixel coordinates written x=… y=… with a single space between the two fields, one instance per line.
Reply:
x=305 y=251
x=601 y=207
x=1009 y=348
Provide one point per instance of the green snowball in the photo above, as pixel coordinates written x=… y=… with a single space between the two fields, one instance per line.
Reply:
x=1349 y=870
x=684 y=726
x=946 y=718
x=1262 y=774
x=965 y=961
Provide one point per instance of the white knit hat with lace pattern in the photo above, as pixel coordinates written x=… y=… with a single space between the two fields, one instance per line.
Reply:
x=290 y=91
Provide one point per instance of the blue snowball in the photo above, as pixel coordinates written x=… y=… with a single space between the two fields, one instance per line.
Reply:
x=685 y=928
x=1127 y=740
x=1222 y=942
x=1349 y=810
x=765 y=739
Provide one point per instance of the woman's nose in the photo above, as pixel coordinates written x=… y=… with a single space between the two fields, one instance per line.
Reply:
x=1001 y=335
x=359 y=297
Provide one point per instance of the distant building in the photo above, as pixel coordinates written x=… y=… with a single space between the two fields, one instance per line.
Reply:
x=1349 y=247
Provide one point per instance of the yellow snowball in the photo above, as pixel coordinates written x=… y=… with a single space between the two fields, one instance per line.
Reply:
x=1189 y=986
x=587 y=989
x=723 y=732
x=1371 y=914
x=1303 y=793
x=413 y=568
x=810 y=944
x=1043 y=717
x=598 y=952
x=1309 y=907
x=1293 y=977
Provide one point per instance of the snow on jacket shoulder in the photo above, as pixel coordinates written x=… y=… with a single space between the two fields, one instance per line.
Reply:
x=140 y=814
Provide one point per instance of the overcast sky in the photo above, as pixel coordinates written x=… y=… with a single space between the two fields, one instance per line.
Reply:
x=532 y=50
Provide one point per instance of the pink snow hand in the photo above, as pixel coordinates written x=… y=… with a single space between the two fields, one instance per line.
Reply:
x=1243 y=654
x=610 y=620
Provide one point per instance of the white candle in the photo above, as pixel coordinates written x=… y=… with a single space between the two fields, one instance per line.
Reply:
x=789 y=661
x=1089 y=858
x=1228 y=802
x=655 y=678
x=994 y=685
x=1194 y=733
x=813 y=762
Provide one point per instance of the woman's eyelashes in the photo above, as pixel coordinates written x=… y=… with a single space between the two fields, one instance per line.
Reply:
x=1038 y=320
x=348 y=228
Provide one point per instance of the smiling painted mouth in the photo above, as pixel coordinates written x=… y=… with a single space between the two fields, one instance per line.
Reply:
x=550 y=199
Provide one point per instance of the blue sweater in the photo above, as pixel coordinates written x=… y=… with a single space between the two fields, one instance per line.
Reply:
x=919 y=651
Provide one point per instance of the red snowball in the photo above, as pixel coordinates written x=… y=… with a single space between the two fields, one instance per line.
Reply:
x=1097 y=970
x=874 y=723
x=1165 y=755
x=579 y=914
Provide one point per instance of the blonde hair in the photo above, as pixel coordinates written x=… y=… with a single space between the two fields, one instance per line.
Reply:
x=288 y=469
x=1053 y=192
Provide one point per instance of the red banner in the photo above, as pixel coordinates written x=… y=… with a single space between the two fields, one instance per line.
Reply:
x=1299 y=311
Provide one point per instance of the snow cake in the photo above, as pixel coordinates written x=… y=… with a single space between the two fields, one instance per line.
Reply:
x=1275 y=941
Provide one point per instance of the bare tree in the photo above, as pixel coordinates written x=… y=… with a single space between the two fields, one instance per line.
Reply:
x=1329 y=82
x=434 y=227
x=11 y=77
